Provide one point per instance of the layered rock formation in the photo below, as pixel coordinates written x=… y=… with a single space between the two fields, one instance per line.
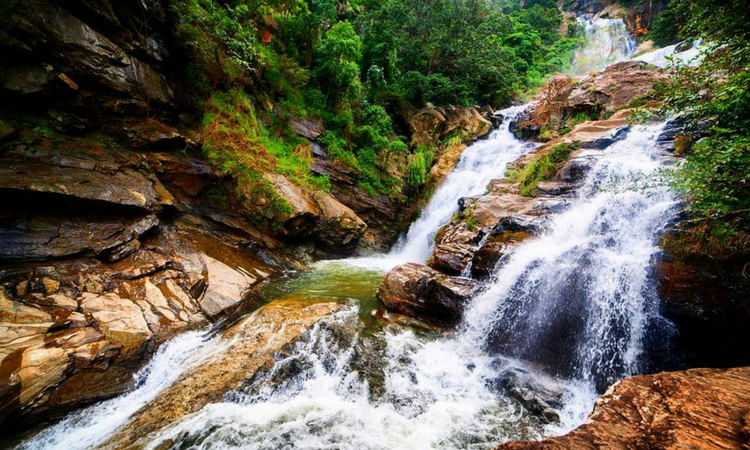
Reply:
x=431 y=124
x=698 y=408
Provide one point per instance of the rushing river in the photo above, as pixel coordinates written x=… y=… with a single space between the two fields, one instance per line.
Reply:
x=568 y=314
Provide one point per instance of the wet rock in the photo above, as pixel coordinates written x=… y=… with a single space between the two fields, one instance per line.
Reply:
x=419 y=291
x=698 y=408
x=451 y=258
x=537 y=394
x=434 y=123
x=250 y=346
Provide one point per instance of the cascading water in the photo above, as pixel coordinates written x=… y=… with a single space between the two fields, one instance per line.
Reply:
x=607 y=41
x=564 y=315
x=578 y=298
x=481 y=162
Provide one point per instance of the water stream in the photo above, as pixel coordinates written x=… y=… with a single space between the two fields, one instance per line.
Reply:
x=566 y=315
x=607 y=41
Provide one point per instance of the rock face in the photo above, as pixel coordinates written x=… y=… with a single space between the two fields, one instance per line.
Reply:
x=434 y=123
x=614 y=87
x=242 y=350
x=610 y=91
x=419 y=291
x=699 y=408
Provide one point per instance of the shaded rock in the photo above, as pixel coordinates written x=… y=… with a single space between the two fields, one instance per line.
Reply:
x=38 y=237
x=307 y=127
x=419 y=291
x=250 y=345
x=698 y=408
x=88 y=52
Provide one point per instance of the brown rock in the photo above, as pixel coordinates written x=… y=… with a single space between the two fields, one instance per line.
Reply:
x=694 y=409
x=434 y=123
x=251 y=344
x=615 y=86
x=119 y=319
x=422 y=292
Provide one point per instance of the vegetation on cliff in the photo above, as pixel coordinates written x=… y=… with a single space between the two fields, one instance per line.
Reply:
x=715 y=95
x=359 y=68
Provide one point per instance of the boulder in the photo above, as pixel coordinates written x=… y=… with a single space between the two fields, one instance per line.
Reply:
x=431 y=124
x=614 y=87
x=698 y=408
x=422 y=292
x=317 y=215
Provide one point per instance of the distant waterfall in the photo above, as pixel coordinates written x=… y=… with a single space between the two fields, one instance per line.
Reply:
x=607 y=41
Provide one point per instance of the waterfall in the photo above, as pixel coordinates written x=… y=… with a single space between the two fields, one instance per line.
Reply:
x=578 y=298
x=676 y=54
x=480 y=163
x=607 y=41
x=565 y=315
x=567 y=312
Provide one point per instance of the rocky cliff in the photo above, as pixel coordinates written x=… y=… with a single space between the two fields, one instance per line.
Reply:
x=117 y=230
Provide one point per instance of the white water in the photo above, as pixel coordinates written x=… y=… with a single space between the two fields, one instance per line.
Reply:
x=440 y=394
x=669 y=56
x=91 y=426
x=480 y=163
x=607 y=41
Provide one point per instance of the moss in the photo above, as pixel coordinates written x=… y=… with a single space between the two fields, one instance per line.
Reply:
x=543 y=167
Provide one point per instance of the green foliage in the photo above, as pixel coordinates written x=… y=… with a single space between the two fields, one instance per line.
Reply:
x=354 y=66
x=419 y=166
x=542 y=168
x=715 y=96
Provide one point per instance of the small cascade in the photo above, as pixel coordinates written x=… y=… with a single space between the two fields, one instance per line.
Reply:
x=683 y=53
x=480 y=163
x=92 y=426
x=607 y=41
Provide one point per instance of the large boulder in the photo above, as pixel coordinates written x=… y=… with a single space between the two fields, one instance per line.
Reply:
x=699 y=408
x=614 y=87
x=422 y=292
x=431 y=124
x=318 y=215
